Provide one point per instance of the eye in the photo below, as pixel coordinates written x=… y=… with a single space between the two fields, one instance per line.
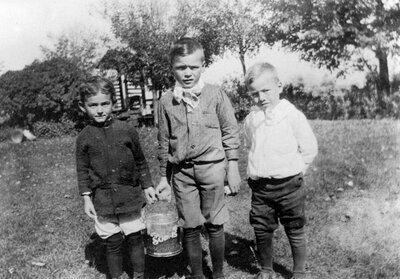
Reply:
x=194 y=67
x=180 y=68
x=254 y=94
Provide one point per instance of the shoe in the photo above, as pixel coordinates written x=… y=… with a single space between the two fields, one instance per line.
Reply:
x=265 y=275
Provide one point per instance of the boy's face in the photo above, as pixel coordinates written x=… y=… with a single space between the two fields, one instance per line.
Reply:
x=265 y=90
x=98 y=107
x=188 y=69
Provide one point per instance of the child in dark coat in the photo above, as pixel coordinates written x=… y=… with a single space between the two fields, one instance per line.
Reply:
x=112 y=175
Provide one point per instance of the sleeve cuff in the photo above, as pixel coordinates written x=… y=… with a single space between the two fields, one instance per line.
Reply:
x=232 y=154
x=163 y=170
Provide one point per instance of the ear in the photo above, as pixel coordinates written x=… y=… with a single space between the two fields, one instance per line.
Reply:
x=203 y=67
x=82 y=107
x=280 y=86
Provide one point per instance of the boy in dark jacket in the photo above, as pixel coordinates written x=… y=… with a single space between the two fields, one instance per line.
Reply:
x=112 y=172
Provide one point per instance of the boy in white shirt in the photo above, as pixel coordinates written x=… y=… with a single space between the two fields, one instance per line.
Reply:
x=282 y=146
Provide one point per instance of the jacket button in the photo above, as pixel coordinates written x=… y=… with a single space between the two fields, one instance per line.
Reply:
x=192 y=146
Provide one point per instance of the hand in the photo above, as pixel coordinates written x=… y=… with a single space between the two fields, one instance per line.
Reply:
x=89 y=207
x=233 y=177
x=163 y=190
x=150 y=194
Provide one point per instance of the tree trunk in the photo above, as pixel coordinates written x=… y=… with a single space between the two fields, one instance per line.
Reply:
x=143 y=85
x=242 y=61
x=383 y=83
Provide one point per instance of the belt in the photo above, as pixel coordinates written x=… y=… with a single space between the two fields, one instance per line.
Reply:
x=272 y=180
x=190 y=162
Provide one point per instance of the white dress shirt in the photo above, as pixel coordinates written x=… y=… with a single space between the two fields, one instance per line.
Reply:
x=281 y=142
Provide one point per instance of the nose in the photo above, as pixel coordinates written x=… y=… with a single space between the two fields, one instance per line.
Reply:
x=187 y=72
x=262 y=96
x=100 y=110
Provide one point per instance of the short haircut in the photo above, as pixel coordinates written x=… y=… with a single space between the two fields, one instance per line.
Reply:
x=257 y=70
x=95 y=85
x=183 y=47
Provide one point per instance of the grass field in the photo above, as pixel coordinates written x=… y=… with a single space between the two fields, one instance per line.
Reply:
x=353 y=207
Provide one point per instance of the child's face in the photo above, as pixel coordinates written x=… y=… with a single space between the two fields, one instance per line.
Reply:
x=188 y=69
x=265 y=90
x=98 y=107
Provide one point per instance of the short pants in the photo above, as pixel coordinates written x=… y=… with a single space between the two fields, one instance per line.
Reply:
x=277 y=200
x=126 y=223
x=199 y=193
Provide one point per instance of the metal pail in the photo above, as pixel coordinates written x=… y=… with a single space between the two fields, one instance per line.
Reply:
x=163 y=237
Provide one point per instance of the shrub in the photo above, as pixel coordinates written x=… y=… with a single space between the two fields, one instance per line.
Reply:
x=49 y=129
x=237 y=92
x=324 y=102
x=5 y=133
x=43 y=91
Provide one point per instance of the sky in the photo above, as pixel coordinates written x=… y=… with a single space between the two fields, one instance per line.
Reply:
x=27 y=24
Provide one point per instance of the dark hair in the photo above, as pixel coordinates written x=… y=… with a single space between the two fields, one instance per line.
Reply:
x=95 y=85
x=183 y=47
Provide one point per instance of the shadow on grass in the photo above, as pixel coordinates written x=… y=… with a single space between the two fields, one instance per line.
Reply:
x=168 y=267
x=241 y=254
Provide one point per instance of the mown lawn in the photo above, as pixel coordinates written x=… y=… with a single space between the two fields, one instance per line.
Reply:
x=353 y=208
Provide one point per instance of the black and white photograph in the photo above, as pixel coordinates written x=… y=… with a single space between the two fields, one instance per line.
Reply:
x=203 y=139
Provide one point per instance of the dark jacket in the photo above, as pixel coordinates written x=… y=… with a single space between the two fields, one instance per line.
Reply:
x=111 y=165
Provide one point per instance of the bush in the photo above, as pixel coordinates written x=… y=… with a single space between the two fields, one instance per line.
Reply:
x=5 y=133
x=324 y=102
x=237 y=92
x=48 y=129
x=41 y=92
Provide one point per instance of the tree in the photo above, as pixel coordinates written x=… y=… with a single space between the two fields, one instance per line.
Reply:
x=331 y=32
x=225 y=25
x=42 y=91
x=144 y=28
x=84 y=50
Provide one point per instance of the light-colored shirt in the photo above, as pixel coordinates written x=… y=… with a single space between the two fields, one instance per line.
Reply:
x=281 y=142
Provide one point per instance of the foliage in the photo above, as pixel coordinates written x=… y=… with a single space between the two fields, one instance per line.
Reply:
x=333 y=104
x=323 y=102
x=224 y=25
x=5 y=133
x=144 y=28
x=81 y=49
x=42 y=91
x=237 y=92
x=51 y=129
x=331 y=32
